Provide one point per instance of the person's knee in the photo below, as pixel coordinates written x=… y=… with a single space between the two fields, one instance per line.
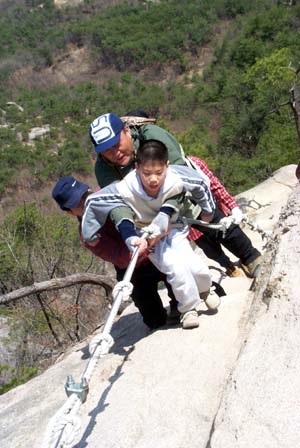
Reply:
x=155 y=321
x=153 y=312
x=150 y=306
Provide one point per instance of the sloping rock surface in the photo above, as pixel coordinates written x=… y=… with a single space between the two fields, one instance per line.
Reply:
x=261 y=406
x=232 y=382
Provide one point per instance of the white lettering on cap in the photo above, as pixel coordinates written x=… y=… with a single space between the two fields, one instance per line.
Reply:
x=101 y=129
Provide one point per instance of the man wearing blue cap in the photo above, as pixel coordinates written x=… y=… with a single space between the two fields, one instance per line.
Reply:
x=115 y=143
x=69 y=193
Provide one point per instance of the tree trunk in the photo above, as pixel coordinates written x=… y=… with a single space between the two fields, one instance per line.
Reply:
x=295 y=105
x=105 y=281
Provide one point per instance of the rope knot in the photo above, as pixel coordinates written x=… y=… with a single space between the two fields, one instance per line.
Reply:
x=124 y=287
x=105 y=340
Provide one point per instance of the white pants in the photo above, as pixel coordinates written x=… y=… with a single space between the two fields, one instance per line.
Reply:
x=185 y=270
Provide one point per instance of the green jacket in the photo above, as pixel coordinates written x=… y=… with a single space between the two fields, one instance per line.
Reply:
x=106 y=172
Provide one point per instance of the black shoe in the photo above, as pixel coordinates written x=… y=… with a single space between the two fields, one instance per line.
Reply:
x=253 y=268
x=173 y=316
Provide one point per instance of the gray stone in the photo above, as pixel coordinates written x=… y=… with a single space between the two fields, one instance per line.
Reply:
x=38 y=132
x=261 y=405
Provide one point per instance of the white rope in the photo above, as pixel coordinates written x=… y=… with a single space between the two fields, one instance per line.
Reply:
x=125 y=288
x=71 y=432
x=106 y=342
x=222 y=226
x=183 y=221
x=56 y=435
x=64 y=427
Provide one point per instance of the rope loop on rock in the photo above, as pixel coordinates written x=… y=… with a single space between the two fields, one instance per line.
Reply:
x=104 y=340
x=123 y=287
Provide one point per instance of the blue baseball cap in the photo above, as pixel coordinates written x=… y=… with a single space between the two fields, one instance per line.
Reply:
x=105 y=131
x=68 y=192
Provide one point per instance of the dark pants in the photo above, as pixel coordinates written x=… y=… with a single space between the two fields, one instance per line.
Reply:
x=235 y=240
x=145 y=280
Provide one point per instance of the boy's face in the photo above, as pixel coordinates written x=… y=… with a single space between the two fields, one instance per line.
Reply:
x=152 y=174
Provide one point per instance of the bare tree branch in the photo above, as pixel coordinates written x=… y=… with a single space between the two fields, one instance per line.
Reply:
x=48 y=320
x=105 y=281
x=277 y=109
x=12 y=103
x=294 y=103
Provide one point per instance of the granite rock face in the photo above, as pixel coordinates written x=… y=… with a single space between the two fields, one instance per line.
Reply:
x=261 y=405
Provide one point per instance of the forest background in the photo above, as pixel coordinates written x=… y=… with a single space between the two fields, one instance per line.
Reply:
x=216 y=73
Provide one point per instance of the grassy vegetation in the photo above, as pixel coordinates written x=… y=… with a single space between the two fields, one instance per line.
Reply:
x=16 y=376
x=247 y=80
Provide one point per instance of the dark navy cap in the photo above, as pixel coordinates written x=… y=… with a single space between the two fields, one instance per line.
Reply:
x=68 y=192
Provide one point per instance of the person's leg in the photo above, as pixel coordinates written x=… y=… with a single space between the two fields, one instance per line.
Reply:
x=213 y=250
x=145 y=296
x=235 y=240
x=210 y=242
x=197 y=267
x=200 y=273
x=182 y=279
x=241 y=246
x=238 y=243
x=175 y=257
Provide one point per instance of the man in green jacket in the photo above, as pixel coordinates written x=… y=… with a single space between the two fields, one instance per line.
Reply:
x=114 y=141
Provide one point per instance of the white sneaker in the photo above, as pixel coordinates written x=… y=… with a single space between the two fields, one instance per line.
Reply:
x=211 y=299
x=189 y=320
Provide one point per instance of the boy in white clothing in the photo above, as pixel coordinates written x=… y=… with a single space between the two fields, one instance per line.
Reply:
x=155 y=193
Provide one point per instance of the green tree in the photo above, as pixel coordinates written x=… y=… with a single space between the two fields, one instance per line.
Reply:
x=36 y=246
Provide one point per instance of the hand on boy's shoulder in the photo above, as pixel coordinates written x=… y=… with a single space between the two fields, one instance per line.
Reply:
x=92 y=243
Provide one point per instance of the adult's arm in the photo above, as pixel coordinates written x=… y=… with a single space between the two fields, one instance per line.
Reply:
x=98 y=207
x=198 y=185
x=110 y=246
x=224 y=199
